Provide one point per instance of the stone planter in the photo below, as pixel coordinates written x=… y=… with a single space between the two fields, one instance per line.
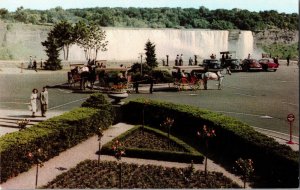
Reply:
x=117 y=96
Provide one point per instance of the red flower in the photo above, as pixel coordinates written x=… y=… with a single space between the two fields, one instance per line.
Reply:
x=30 y=155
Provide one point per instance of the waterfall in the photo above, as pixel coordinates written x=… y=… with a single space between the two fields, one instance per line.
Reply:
x=127 y=44
x=245 y=44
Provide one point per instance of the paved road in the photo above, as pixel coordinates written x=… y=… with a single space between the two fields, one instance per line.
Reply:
x=261 y=99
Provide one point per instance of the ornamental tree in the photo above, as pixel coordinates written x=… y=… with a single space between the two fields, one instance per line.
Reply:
x=37 y=159
x=168 y=123
x=119 y=151
x=244 y=168
x=206 y=134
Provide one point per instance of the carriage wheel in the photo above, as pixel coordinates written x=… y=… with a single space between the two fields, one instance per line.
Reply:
x=196 y=85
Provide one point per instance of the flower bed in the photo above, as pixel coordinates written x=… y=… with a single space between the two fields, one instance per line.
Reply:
x=88 y=175
x=150 y=140
x=275 y=165
x=153 y=144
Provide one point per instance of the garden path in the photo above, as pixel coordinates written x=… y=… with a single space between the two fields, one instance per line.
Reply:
x=87 y=150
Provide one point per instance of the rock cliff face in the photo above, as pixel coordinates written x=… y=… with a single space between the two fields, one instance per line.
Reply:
x=276 y=36
x=19 y=41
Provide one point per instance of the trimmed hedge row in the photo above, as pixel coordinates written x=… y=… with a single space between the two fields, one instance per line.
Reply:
x=276 y=165
x=53 y=136
x=191 y=154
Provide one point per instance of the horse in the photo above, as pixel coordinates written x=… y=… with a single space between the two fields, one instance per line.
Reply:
x=211 y=76
x=87 y=74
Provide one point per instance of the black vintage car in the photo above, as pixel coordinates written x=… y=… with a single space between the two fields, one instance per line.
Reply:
x=233 y=64
x=212 y=65
x=227 y=61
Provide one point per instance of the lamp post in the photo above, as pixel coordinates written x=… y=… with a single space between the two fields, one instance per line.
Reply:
x=141 y=56
x=167 y=60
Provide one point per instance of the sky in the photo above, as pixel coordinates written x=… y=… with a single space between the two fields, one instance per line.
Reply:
x=286 y=6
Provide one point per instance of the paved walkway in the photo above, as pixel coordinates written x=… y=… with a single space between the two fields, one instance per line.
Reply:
x=9 y=118
x=87 y=150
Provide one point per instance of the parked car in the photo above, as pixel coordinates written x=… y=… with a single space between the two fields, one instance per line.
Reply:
x=268 y=64
x=234 y=64
x=212 y=65
x=251 y=65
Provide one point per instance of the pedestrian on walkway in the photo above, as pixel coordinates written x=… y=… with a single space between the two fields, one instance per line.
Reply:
x=44 y=101
x=30 y=63
x=190 y=61
x=288 y=60
x=34 y=65
x=177 y=60
x=181 y=60
x=41 y=66
x=33 y=101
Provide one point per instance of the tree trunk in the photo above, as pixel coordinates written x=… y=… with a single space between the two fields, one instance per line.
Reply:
x=64 y=52
x=120 y=175
x=99 y=151
x=169 y=138
x=68 y=47
x=96 y=54
x=36 y=175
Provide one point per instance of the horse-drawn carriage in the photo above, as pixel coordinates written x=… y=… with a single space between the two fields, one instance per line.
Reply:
x=74 y=73
x=194 y=76
x=187 y=76
x=108 y=77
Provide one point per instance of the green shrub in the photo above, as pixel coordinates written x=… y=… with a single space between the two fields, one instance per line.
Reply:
x=191 y=154
x=53 y=136
x=276 y=164
x=98 y=101
x=161 y=76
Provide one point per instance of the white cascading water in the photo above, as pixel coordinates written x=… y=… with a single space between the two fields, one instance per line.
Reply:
x=244 y=44
x=126 y=44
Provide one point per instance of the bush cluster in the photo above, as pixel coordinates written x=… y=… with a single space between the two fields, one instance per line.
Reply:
x=53 y=136
x=276 y=165
x=146 y=153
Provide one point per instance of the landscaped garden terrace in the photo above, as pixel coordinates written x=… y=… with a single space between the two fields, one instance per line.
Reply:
x=164 y=131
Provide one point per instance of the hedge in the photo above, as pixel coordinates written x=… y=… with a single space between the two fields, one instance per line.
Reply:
x=53 y=136
x=191 y=154
x=276 y=165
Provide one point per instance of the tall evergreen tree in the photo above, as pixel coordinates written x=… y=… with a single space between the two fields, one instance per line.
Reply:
x=52 y=51
x=150 y=54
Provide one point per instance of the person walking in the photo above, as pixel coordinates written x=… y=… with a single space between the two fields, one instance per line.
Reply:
x=288 y=60
x=44 y=101
x=30 y=63
x=181 y=60
x=33 y=101
x=34 y=65
x=41 y=66
x=190 y=61
x=177 y=60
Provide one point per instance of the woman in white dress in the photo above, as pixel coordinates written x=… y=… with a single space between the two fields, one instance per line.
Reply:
x=33 y=101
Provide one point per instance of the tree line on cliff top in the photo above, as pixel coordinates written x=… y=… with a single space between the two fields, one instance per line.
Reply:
x=202 y=17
